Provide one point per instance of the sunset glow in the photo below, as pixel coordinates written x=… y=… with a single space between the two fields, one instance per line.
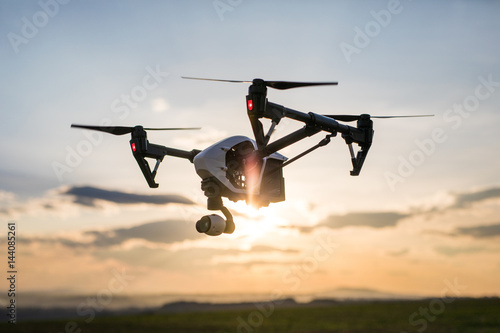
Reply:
x=423 y=213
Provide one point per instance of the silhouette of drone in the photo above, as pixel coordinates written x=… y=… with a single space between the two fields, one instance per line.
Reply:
x=240 y=168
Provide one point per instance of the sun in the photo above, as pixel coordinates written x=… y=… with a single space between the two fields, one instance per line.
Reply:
x=256 y=224
x=246 y=210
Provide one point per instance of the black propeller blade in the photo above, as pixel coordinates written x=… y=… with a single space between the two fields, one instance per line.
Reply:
x=348 y=117
x=218 y=80
x=120 y=130
x=281 y=85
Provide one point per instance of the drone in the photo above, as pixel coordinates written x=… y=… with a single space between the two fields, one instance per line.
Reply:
x=241 y=168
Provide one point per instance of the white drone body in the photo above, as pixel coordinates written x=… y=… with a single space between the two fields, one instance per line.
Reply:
x=234 y=166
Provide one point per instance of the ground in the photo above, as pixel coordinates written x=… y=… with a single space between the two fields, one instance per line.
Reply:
x=430 y=315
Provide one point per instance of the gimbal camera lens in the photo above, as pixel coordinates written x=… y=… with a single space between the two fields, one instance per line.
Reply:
x=203 y=225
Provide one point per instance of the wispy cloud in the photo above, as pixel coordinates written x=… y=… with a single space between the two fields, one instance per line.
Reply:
x=110 y=244
x=453 y=251
x=482 y=231
x=378 y=220
x=251 y=263
x=199 y=139
x=467 y=198
x=301 y=229
x=159 y=105
x=398 y=253
x=161 y=232
x=186 y=259
x=87 y=195
x=266 y=248
x=157 y=232
x=365 y=219
x=66 y=201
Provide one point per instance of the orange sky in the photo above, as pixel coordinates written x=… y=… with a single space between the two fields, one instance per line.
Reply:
x=422 y=214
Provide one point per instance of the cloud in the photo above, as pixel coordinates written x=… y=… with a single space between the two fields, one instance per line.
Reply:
x=465 y=199
x=447 y=201
x=105 y=245
x=157 y=232
x=453 y=251
x=391 y=219
x=161 y=232
x=87 y=195
x=6 y=197
x=366 y=219
x=358 y=219
x=482 y=231
x=251 y=263
x=398 y=253
x=159 y=105
x=301 y=229
x=265 y=248
x=185 y=259
x=144 y=257
x=199 y=139
x=66 y=201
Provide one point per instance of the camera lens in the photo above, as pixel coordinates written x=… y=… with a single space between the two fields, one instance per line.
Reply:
x=203 y=225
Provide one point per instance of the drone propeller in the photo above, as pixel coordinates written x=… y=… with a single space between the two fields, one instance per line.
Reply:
x=348 y=117
x=218 y=80
x=281 y=85
x=120 y=130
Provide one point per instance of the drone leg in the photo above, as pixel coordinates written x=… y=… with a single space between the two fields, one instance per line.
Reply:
x=353 y=157
x=358 y=159
x=158 y=161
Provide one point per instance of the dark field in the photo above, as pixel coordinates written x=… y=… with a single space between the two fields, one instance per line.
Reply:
x=430 y=315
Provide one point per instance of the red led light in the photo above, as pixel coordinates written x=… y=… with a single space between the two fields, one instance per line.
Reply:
x=250 y=105
x=133 y=147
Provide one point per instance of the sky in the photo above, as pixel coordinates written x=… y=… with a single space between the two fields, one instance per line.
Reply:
x=422 y=214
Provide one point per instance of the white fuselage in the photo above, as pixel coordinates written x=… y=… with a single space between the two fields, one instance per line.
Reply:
x=233 y=163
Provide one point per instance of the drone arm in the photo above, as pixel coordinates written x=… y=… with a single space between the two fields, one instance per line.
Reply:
x=311 y=119
x=189 y=155
x=290 y=139
x=314 y=124
x=362 y=134
x=142 y=149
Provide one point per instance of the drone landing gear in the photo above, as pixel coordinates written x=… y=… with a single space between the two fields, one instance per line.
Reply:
x=364 y=123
